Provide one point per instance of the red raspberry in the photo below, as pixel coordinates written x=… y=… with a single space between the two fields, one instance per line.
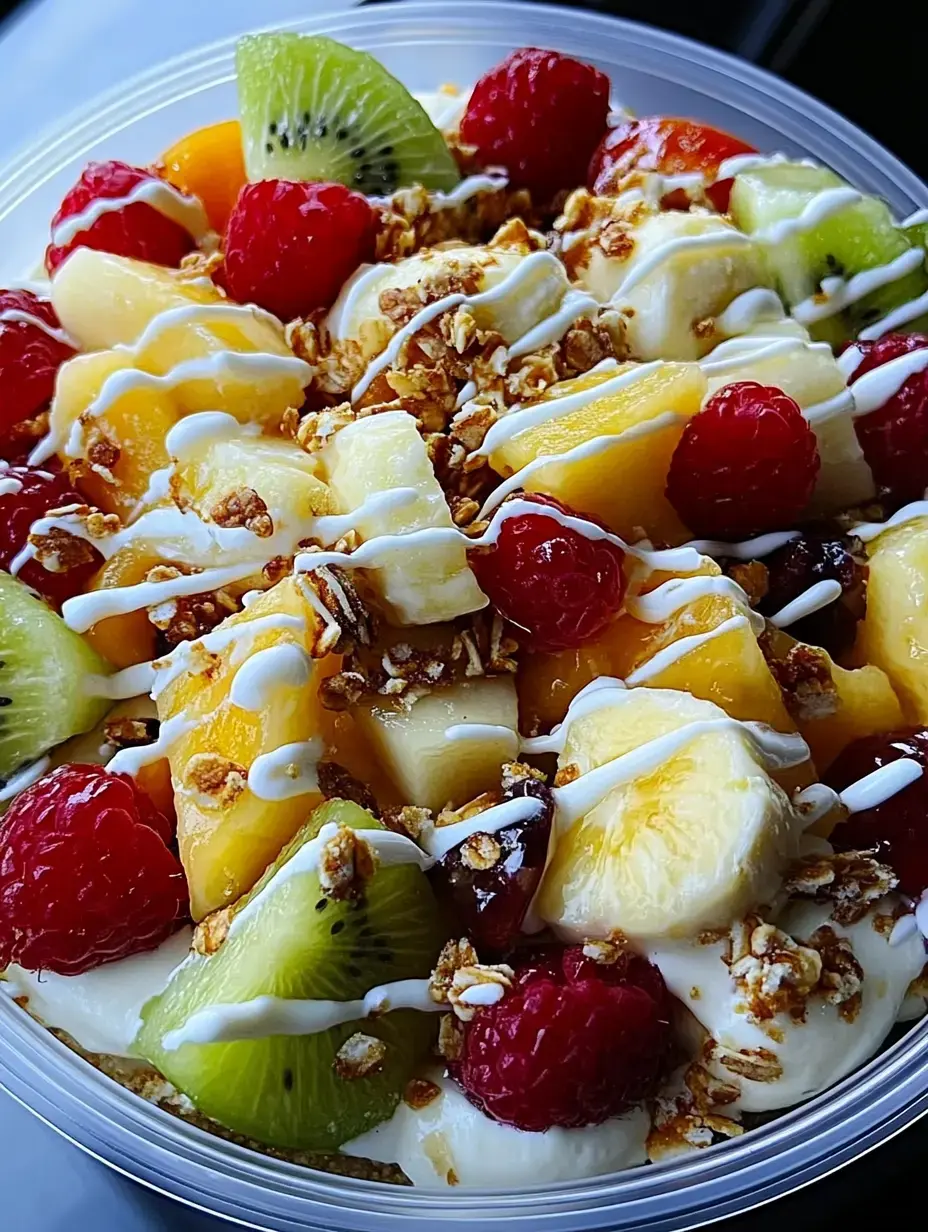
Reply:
x=540 y=115
x=86 y=875
x=554 y=582
x=137 y=230
x=289 y=246
x=667 y=146
x=29 y=359
x=747 y=463
x=894 y=437
x=572 y=1043
x=40 y=492
x=897 y=828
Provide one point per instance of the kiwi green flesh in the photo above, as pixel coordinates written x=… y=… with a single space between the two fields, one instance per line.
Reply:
x=283 y=1090
x=857 y=238
x=44 y=665
x=313 y=109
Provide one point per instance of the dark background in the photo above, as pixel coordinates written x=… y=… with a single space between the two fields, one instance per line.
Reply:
x=868 y=63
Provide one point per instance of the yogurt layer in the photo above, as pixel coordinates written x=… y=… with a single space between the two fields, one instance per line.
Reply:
x=100 y=1009
x=815 y=1053
x=449 y=1141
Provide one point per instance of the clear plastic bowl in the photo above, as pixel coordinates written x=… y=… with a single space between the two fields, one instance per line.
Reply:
x=426 y=44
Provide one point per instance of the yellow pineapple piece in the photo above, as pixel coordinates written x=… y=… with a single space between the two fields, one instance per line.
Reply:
x=234 y=811
x=894 y=632
x=135 y=421
x=103 y=300
x=618 y=431
x=684 y=837
x=861 y=701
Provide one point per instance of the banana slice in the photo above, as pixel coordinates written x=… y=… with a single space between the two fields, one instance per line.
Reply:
x=790 y=1057
x=677 y=270
x=384 y=456
x=450 y=1142
x=672 y=824
x=512 y=292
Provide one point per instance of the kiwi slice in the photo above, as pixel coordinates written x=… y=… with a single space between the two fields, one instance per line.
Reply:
x=282 y=1090
x=313 y=109
x=859 y=237
x=44 y=667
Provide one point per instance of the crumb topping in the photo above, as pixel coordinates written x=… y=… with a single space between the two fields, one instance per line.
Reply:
x=359 y=1056
x=850 y=881
x=346 y=864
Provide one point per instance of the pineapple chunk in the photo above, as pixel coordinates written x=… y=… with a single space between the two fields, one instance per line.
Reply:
x=369 y=458
x=228 y=834
x=862 y=703
x=666 y=301
x=622 y=429
x=894 y=632
x=781 y=353
x=428 y=766
x=689 y=837
x=103 y=300
x=195 y=352
x=135 y=422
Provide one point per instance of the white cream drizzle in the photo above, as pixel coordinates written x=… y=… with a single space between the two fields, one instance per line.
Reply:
x=464 y=733
x=575 y=304
x=902 y=315
x=442 y=839
x=836 y=293
x=24 y=778
x=264 y=673
x=130 y=761
x=722 y=238
x=288 y=771
x=824 y=205
x=10 y=486
x=469 y=187
x=187 y=212
x=16 y=315
x=683 y=646
x=748 y=309
x=266 y=1016
x=881 y=785
x=85 y=610
x=875 y=388
x=818 y=596
x=916 y=219
x=670 y=597
x=748 y=549
x=188 y=656
x=868 y=531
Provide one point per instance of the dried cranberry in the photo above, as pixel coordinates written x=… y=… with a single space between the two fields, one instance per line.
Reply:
x=491 y=902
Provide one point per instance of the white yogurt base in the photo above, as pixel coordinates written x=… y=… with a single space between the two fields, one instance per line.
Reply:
x=450 y=1135
x=100 y=1009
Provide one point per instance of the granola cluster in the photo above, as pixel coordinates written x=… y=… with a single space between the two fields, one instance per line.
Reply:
x=851 y=882
x=463 y=983
x=479 y=646
x=687 y=1115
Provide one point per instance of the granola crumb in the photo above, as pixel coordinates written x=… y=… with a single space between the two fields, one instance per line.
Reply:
x=217 y=781
x=419 y=1093
x=480 y=852
x=359 y=1056
x=346 y=864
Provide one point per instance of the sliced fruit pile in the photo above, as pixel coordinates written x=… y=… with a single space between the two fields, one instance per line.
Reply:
x=453 y=569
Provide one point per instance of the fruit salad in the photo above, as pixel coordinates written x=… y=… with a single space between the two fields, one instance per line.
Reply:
x=463 y=650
